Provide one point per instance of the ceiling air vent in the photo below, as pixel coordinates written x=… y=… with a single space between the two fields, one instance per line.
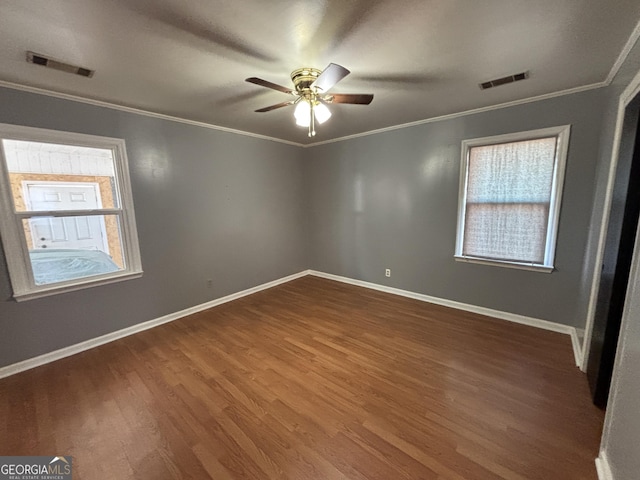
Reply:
x=504 y=80
x=38 y=59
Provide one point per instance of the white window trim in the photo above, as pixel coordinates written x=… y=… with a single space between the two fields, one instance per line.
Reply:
x=562 y=132
x=13 y=241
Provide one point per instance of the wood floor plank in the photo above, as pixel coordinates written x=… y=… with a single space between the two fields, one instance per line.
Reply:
x=311 y=380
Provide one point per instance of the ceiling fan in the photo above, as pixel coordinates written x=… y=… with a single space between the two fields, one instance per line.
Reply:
x=311 y=88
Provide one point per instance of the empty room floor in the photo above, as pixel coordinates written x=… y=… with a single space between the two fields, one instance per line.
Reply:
x=313 y=379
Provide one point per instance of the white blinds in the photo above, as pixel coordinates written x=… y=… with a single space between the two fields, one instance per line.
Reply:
x=508 y=196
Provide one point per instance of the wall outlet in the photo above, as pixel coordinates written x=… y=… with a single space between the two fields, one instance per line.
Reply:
x=209 y=283
x=387 y=272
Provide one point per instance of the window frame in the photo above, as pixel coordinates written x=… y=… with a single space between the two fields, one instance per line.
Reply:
x=562 y=134
x=11 y=228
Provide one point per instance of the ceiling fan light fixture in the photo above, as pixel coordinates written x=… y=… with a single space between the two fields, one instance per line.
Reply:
x=303 y=116
x=301 y=113
x=322 y=112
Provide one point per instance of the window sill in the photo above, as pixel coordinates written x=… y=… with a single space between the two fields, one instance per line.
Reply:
x=502 y=263
x=49 y=290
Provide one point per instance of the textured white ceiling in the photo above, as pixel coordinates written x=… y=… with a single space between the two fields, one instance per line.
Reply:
x=420 y=58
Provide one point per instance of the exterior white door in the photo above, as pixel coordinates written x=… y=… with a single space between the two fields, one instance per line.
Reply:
x=84 y=232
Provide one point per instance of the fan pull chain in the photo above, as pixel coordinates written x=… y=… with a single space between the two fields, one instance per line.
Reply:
x=312 y=119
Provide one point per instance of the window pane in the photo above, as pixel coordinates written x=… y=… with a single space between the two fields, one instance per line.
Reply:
x=512 y=172
x=67 y=248
x=512 y=232
x=508 y=199
x=67 y=210
x=53 y=177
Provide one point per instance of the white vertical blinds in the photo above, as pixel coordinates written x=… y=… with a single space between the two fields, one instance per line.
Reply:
x=508 y=197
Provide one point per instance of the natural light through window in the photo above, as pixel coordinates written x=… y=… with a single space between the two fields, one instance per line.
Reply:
x=511 y=186
x=67 y=210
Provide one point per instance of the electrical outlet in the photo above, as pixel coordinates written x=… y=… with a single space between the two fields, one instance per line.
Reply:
x=387 y=272
x=209 y=283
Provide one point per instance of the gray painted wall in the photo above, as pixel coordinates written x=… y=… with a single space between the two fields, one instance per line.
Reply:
x=209 y=204
x=390 y=201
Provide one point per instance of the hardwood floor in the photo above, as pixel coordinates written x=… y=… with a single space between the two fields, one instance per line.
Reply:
x=313 y=380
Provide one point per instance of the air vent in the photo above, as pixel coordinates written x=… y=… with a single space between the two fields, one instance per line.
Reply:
x=504 y=80
x=38 y=59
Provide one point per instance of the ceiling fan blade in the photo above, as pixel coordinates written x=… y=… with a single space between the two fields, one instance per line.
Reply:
x=353 y=98
x=277 y=105
x=329 y=77
x=273 y=86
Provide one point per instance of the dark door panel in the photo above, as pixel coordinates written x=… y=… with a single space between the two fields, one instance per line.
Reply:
x=619 y=246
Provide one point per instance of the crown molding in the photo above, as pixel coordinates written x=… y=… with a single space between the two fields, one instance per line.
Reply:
x=624 y=53
x=138 y=111
x=465 y=113
x=114 y=106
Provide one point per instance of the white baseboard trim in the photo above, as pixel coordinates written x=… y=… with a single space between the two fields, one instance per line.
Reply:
x=577 y=347
x=603 y=468
x=511 y=317
x=110 y=337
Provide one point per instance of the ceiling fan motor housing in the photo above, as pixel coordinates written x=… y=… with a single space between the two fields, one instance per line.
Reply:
x=302 y=78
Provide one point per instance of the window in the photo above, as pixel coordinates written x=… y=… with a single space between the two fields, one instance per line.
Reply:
x=66 y=217
x=510 y=191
